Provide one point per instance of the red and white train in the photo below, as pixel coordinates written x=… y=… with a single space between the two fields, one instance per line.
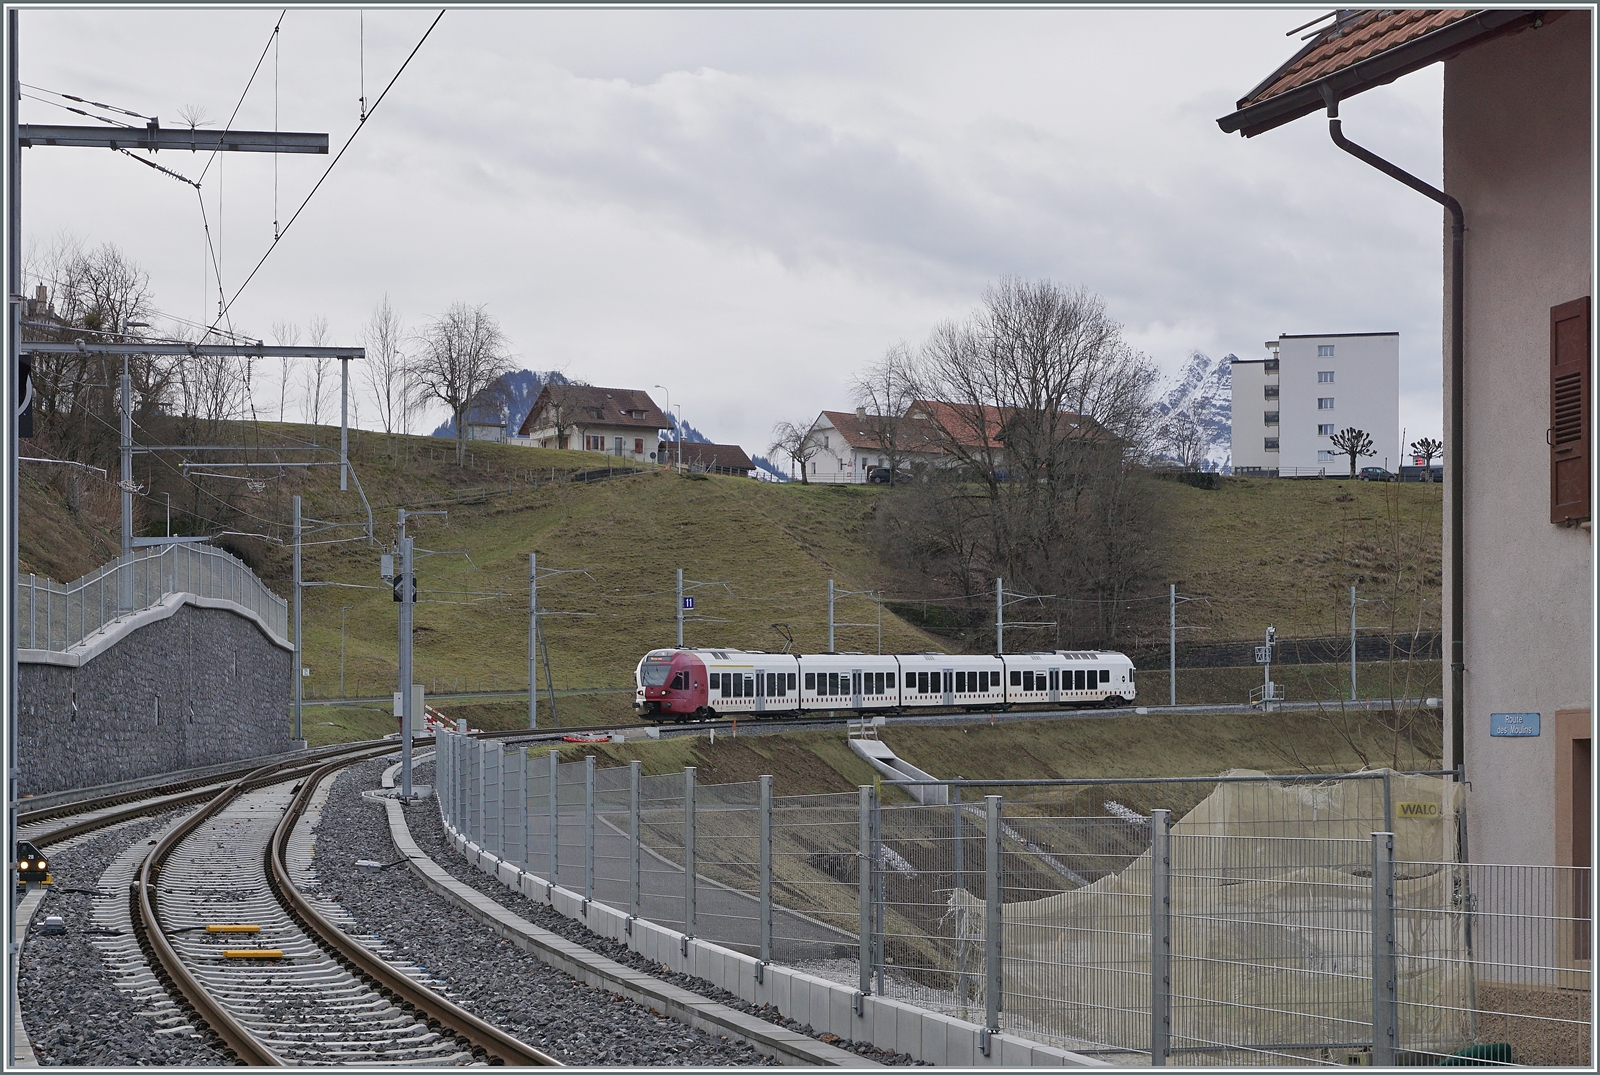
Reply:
x=694 y=684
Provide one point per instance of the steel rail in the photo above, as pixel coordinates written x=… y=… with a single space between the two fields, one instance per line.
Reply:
x=171 y=796
x=129 y=795
x=491 y=1041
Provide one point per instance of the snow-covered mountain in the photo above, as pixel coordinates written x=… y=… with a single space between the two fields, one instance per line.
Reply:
x=1203 y=390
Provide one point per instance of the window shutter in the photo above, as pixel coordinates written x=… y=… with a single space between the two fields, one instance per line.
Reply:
x=1569 y=411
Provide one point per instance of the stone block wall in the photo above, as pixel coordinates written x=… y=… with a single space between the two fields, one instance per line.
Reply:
x=202 y=687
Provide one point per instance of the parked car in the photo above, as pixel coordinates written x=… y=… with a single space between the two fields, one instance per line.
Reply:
x=1376 y=474
x=883 y=476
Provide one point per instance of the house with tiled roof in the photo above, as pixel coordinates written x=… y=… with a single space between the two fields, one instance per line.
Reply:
x=703 y=458
x=1514 y=203
x=623 y=422
x=851 y=444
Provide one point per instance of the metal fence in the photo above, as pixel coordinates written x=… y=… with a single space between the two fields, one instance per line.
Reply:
x=1245 y=919
x=57 y=616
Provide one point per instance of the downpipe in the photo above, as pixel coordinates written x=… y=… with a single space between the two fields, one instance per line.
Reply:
x=1458 y=229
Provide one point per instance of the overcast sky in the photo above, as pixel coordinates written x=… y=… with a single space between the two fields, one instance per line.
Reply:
x=748 y=206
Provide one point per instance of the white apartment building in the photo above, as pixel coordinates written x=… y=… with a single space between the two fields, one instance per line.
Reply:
x=1288 y=406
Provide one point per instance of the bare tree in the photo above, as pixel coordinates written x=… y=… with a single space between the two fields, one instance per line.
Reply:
x=883 y=393
x=318 y=371
x=76 y=396
x=1183 y=435
x=287 y=334
x=1045 y=412
x=461 y=353
x=1353 y=442
x=385 y=369
x=1429 y=449
x=796 y=442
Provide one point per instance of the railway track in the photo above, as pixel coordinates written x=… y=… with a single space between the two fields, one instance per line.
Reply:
x=297 y=989
x=307 y=992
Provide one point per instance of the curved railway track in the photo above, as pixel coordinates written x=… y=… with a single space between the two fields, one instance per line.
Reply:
x=327 y=998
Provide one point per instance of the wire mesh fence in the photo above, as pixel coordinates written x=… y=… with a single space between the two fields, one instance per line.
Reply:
x=1240 y=920
x=57 y=616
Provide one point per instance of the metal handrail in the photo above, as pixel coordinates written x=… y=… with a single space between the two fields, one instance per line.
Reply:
x=57 y=616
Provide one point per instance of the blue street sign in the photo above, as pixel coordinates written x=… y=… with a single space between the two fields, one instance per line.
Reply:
x=1514 y=724
x=688 y=602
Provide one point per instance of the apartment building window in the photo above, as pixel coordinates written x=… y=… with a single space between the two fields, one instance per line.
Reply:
x=1324 y=403
x=1270 y=391
x=1325 y=430
x=1271 y=366
x=1325 y=456
x=1324 y=350
x=1272 y=418
x=1324 y=376
x=592 y=443
x=1271 y=444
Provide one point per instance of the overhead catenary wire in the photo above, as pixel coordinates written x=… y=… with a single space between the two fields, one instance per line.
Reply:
x=331 y=165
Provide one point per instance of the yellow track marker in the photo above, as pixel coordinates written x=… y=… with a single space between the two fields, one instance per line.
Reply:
x=233 y=929
x=252 y=953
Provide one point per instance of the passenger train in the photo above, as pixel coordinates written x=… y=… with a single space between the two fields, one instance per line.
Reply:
x=694 y=684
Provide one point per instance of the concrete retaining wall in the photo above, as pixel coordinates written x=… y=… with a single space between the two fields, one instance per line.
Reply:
x=830 y=1008
x=197 y=687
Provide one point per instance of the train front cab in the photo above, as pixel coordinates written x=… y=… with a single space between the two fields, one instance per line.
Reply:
x=671 y=685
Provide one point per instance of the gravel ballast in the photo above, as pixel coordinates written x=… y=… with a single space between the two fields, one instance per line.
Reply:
x=72 y=1008
x=488 y=975
x=428 y=831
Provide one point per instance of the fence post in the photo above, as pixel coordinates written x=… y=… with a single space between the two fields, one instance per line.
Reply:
x=588 y=832
x=555 y=823
x=878 y=878
x=864 y=896
x=443 y=777
x=1384 y=1025
x=766 y=877
x=514 y=805
x=959 y=872
x=1160 y=936
x=33 y=610
x=688 y=856
x=634 y=768
x=993 y=921
x=475 y=796
x=494 y=798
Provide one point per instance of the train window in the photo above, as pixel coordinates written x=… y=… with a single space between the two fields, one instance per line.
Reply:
x=791 y=680
x=1027 y=680
x=922 y=682
x=961 y=683
x=877 y=679
x=833 y=682
x=1105 y=675
x=888 y=680
x=1016 y=679
x=772 y=684
x=811 y=681
x=750 y=684
x=717 y=683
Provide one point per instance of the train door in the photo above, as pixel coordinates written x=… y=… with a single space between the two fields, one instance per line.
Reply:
x=1056 y=684
x=855 y=688
x=761 y=690
x=949 y=686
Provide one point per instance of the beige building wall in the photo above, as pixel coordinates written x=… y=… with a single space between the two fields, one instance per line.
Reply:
x=1248 y=429
x=1517 y=157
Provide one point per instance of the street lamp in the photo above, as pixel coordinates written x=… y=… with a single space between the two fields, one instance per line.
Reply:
x=342 y=611
x=669 y=412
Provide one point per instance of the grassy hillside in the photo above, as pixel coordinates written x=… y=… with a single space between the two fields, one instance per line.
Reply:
x=1156 y=745
x=1260 y=551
